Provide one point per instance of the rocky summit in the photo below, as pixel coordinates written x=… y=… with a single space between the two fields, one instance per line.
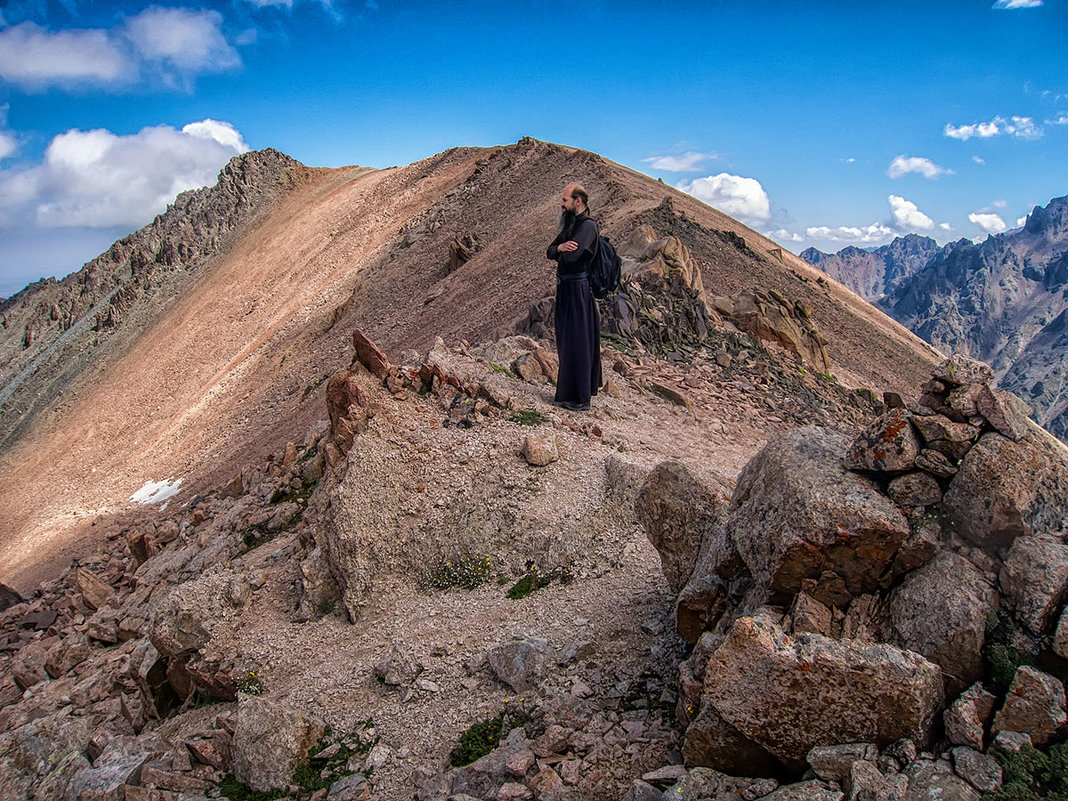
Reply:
x=790 y=552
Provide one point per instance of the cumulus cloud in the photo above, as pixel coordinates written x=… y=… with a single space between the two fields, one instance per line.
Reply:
x=989 y=222
x=907 y=216
x=978 y=159
x=181 y=39
x=945 y=226
x=903 y=165
x=1014 y=4
x=739 y=197
x=1020 y=127
x=876 y=232
x=1020 y=221
x=782 y=235
x=34 y=58
x=687 y=162
x=98 y=179
x=1062 y=119
x=170 y=44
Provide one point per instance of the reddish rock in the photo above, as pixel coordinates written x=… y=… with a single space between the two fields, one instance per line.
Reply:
x=889 y=445
x=844 y=691
x=1034 y=705
x=347 y=408
x=368 y=354
x=797 y=513
x=914 y=490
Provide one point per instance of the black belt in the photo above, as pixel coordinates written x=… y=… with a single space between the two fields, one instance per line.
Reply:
x=564 y=279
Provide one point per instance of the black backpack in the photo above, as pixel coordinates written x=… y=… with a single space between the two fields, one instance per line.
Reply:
x=604 y=269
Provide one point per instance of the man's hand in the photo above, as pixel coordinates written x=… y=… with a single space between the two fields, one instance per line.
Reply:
x=568 y=247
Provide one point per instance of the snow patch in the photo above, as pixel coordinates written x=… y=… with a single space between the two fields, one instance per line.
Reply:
x=157 y=491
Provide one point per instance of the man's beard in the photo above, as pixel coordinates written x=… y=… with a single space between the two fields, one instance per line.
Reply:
x=567 y=220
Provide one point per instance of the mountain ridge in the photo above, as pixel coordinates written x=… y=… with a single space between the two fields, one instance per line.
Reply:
x=999 y=301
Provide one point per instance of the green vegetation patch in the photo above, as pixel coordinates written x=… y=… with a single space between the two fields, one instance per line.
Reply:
x=1030 y=774
x=528 y=417
x=537 y=579
x=999 y=653
x=465 y=572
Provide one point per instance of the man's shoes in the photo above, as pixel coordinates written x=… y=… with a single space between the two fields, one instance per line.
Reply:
x=575 y=407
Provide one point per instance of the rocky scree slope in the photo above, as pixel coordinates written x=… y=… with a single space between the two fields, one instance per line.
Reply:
x=52 y=332
x=1003 y=301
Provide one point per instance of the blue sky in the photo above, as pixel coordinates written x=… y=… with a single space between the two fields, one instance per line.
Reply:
x=823 y=124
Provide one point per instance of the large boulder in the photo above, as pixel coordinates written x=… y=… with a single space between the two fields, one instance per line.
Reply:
x=1034 y=705
x=798 y=513
x=889 y=445
x=1006 y=489
x=270 y=741
x=940 y=611
x=791 y=693
x=1034 y=580
x=678 y=508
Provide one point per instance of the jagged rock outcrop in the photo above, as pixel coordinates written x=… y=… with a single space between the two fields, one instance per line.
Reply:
x=885 y=562
x=773 y=318
x=51 y=329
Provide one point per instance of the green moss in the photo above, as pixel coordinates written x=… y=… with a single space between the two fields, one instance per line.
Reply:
x=528 y=417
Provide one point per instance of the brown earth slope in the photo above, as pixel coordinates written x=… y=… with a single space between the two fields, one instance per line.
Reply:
x=232 y=367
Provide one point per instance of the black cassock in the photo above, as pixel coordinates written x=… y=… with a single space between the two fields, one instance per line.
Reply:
x=578 y=323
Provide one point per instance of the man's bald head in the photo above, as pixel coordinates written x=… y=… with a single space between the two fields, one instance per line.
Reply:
x=575 y=198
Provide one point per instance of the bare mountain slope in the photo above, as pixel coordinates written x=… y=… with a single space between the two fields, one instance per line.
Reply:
x=228 y=369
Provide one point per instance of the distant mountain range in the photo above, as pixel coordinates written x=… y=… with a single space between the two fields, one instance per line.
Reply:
x=1004 y=300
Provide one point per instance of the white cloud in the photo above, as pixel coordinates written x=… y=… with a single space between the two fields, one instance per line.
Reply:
x=903 y=165
x=182 y=39
x=978 y=159
x=907 y=216
x=170 y=44
x=945 y=226
x=739 y=197
x=1020 y=221
x=1014 y=4
x=687 y=162
x=991 y=223
x=98 y=179
x=782 y=235
x=1020 y=127
x=850 y=160
x=876 y=232
x=999 y=204
x=1062 y=119
x=8 y=143
x=34 y=58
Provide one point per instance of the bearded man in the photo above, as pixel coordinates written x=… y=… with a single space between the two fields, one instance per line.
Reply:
x=578 y=323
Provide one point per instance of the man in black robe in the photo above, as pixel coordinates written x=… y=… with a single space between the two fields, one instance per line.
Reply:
x=578 y=323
